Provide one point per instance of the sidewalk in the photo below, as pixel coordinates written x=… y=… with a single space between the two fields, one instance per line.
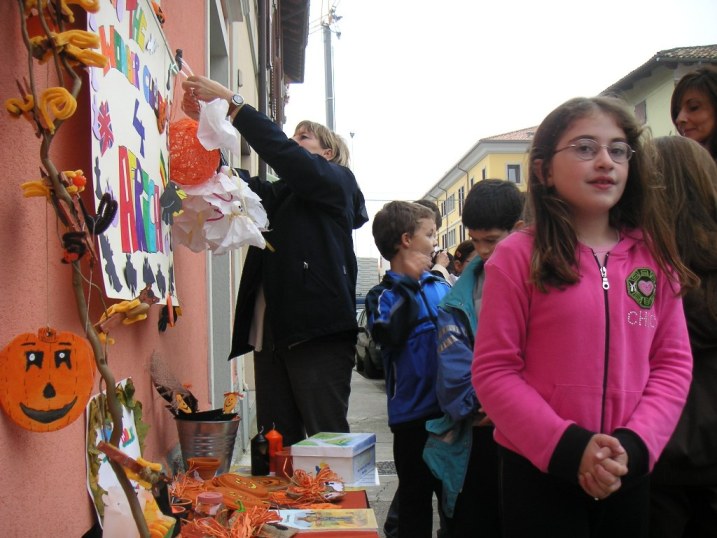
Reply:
x=367 y=413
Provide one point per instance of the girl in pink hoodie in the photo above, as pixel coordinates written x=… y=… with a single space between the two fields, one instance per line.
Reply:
x=582 y=359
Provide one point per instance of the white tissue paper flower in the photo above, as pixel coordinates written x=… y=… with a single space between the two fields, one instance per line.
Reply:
x=215 y=131
x=221 y=214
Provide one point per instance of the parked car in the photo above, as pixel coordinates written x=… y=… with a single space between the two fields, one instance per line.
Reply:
x=368 y=352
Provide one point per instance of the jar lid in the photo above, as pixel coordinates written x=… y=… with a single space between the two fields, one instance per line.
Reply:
x=210 y=497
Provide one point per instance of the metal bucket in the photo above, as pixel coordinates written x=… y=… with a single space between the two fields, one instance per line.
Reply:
x=208 y=438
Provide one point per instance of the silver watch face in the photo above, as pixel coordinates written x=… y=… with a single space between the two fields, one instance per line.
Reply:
x=237 y=99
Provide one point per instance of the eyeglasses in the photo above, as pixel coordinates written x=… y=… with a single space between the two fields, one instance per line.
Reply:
x=586 y=149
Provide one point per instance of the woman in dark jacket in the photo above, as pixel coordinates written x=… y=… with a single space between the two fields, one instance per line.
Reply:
x=296 y=304
x=683 y=496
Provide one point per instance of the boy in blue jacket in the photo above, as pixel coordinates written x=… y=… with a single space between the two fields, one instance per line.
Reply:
x=402 y=313
x=460 y=449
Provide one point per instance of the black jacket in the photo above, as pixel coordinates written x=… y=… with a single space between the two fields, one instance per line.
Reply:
x=310 y=278
x=690 y=457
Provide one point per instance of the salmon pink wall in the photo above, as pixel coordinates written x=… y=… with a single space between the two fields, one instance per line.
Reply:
x=44 y=474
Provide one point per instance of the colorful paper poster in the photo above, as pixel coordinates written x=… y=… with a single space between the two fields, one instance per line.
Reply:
x=130 y=100
x=100 y=475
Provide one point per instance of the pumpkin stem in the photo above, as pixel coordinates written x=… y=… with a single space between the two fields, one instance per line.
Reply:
x=47 y=334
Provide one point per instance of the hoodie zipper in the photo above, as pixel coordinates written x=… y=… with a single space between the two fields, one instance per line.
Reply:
x=605 y=287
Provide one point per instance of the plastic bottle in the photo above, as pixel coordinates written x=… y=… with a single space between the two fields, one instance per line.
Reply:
x=276 y=444
x=211 y=504
x=259 y=454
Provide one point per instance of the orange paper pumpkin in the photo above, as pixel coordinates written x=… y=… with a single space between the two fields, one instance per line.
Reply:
x=46 y=379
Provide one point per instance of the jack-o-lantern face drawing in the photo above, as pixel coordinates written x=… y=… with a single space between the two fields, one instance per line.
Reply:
x=46 y=379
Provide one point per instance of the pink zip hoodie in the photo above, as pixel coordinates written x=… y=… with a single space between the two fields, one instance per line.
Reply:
x=551 y=369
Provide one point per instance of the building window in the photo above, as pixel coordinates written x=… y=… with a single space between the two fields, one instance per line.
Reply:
x=450 y=204
x=461 y=199
x=484 y=173
x=442 y=207
x=461 y=234
x=451 y=239
x=641 y=112
x=513 y=173
x=443 y=241
x=472 y=181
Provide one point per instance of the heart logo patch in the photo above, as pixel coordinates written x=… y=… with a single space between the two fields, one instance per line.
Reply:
x=646 y=287
x=641 y=286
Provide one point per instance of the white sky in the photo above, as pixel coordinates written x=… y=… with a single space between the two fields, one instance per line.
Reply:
x=420 y=82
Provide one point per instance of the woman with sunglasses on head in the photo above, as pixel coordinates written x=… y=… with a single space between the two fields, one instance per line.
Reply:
x=694 y=107
x=582 y=359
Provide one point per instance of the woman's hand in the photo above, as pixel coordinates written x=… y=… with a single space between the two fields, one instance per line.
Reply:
x=197 y=89
x=190 y=105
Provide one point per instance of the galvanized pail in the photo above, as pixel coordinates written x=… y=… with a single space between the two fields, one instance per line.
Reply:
x=213 y=438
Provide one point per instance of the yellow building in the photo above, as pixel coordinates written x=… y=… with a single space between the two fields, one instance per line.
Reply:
x=503 y=156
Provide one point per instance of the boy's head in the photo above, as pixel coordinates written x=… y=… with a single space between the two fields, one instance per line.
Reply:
x=492 y=209
x=433 y=207
x=404 y=225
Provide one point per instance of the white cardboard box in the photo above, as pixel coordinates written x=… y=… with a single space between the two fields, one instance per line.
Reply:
x=352 y=456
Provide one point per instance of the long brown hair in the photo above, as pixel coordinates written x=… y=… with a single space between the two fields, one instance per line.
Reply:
x=554 y=252
x=689 y=176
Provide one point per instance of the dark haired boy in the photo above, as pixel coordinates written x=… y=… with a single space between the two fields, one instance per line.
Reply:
x=460 y=449
x=402 y=313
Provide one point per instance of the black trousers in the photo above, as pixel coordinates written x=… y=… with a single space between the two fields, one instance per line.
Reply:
x=477 y=510
x=540 y=505
x=305 y=390
x=416 y=483
x=678 y=511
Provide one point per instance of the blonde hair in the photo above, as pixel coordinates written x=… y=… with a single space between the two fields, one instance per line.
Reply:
x=328 y=140
x=341 y=151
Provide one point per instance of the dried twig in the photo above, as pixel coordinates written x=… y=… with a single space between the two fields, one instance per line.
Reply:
x=63 y=205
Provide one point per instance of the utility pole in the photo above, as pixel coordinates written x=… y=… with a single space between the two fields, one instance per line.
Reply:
x=329 y=78
x=329 y=67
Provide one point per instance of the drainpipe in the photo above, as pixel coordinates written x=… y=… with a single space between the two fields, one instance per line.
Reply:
x=263 y=37
x=444 y=224
x=329 y=75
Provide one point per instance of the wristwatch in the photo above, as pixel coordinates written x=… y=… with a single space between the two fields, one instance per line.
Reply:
x=237 y=103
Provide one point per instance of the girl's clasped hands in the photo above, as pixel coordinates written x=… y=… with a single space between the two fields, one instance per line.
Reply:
x=604 y=461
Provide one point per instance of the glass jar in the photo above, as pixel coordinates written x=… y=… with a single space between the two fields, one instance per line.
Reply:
x=211 y=504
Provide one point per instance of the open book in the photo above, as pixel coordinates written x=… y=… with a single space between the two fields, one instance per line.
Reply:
x=329 y=520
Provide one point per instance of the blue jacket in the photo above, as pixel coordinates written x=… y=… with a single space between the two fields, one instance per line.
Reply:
x=457 y=322
x=402 y=318
x=450 y=439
